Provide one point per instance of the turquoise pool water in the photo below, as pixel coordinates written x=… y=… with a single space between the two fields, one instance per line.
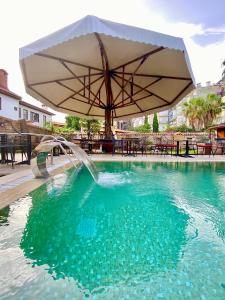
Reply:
x=148 y=231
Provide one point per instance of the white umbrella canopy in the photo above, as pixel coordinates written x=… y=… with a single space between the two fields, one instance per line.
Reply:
x=96 y=68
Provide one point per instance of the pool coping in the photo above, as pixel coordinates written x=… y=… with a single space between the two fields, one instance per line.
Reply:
x=15 y=186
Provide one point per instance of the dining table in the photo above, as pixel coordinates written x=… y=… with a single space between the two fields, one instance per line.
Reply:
x=130 y=146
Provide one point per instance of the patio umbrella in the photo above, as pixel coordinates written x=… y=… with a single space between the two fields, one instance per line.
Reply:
x=96 y=68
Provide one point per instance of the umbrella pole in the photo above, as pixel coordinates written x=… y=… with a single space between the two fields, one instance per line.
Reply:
x=108 y=88
x=108 y=124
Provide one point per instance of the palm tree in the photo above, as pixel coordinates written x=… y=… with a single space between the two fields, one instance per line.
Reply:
x=212 y=108
x=201 y=112
x=193 y=111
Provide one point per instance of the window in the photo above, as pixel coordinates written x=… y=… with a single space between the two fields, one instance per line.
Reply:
x=15 y=108
x=25 y=114
x=34 y=117
x=19 y=112
x=0 y=103
x=44 y=120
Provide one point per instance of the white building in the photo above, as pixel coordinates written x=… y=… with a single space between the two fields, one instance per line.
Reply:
x=163 y=119
x=12 y=106
x=36 y=115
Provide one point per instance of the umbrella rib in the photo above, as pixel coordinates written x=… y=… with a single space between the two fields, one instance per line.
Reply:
x=78 y=94
x=141 y=90
x=140 y=57
x=83 y=83
x=78 y=91
x=67 y=60
x=57 y=105
x=75 y=111
x=114 y=109
x=153 y=75
x=181 y=92
x=143 y=59
x=93 y=101
x=128 y=104
x=63 y=79
x=129 y=96
x=85 y=102
x=150 y=92
x=144 y=111
x=30 y=87
x=160 y=106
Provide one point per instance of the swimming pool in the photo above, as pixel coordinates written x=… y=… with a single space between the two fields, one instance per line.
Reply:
x=148 y=231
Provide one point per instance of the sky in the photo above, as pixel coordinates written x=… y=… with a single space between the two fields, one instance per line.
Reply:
x=201 y=23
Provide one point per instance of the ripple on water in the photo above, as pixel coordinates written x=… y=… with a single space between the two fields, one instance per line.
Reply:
x=106 y=179
x=149 y=231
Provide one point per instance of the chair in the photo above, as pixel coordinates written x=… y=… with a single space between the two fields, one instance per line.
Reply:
x=218 y=147
x=165 y=146
x=192 y=145
x=206 y=148
x=22 y=144
x=7 y=150
x=118 y=147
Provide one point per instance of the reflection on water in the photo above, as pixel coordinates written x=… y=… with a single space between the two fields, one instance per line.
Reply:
x=4 y=213
x=149 y=231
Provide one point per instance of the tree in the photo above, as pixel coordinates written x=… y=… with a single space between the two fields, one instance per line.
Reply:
x=73 y=122
x=193 y=111
x=202 y=111
x=155 y=124
x=90 y=126
x=58 y=130
x=179 y=128
x=212 y=108
x=145 y=127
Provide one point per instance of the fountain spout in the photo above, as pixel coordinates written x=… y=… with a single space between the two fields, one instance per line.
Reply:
x=47 y=144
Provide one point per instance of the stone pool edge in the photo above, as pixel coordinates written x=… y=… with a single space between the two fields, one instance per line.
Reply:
x=28 y=183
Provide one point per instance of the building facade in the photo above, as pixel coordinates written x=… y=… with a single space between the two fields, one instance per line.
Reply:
x=13 y=107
